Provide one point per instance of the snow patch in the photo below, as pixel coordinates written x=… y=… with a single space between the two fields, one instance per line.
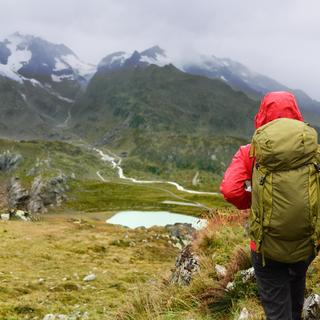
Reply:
x=81 y=68
x=24 y=97
x=159 y=60
x=20 y=55
x=59 y=65
x=61 y=97
x=6 y=72
x=120 y=58
x=56 y=78
x=34 y=82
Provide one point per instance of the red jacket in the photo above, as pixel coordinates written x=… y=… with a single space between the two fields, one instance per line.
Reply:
x=273 y=106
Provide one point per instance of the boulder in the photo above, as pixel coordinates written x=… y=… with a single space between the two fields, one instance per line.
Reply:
x=5 y=216
x=47 y=193
x=248 y=275
x=187 y=264
x=181 y=232
x=17 y=195
x=311 y=307
x=9 y=160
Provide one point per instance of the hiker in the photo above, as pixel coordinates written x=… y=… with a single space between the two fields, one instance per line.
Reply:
x=280 y=165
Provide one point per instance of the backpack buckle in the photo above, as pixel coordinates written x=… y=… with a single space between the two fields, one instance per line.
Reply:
x=317 y=166
x=262 y=180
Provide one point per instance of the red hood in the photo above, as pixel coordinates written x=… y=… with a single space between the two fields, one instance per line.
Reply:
x=276 y=105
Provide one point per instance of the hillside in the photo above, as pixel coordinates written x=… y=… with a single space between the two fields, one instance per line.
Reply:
x=155 y=98
x=162 y=119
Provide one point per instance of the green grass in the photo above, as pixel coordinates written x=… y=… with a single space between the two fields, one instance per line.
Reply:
x=50 y=158
x=115 y=196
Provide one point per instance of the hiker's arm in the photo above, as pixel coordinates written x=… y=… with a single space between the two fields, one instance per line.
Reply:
x=233 y=183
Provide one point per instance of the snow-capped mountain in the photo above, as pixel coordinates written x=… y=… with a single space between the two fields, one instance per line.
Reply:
x=154 y=55
x=26 y=57
x=240 y=77
x=39 y=82
x=235 y=74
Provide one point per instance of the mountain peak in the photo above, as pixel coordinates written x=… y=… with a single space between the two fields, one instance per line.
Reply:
x=31 y=57
x=154 y=55
x=153 y=52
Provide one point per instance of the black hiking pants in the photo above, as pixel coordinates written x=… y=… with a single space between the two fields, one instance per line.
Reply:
x=281 y=287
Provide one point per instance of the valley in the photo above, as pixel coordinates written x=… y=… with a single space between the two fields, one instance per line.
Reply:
x=139 y=131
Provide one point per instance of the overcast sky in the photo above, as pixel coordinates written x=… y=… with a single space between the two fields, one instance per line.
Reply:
x=278 y=38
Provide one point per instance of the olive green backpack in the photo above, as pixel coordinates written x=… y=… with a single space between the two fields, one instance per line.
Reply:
x=284 y=219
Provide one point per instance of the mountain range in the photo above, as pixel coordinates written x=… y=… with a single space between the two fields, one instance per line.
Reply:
x=144 y=104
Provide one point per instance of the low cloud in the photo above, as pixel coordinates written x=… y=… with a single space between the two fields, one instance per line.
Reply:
x=276 y=38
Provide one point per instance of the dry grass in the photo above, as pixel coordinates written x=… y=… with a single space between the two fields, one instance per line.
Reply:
x=239 y=261
x=43 y=265
x=222 y=241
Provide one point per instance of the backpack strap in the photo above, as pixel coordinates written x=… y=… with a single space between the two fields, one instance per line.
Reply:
x=316 y=212
x=264 y=202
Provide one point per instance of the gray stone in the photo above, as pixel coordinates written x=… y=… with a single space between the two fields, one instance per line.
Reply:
x=247 y=275
x=220 y=270
x=47 y=193
x=22 y=215
x=187 y=264
x=5 y=216
x=311 y=308
x=244 y=315
x=17 y=195
x=181 y=233
x=230 y=286
x=90 y=277
x=9 y=160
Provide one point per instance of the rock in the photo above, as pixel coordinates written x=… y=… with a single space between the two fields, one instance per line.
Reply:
x=17 y=196
x=22 y=215
x=9 y=160
x=311 y=307
x=220 y=270
x=244 y=315
x=49 y=317
x=180 y=233
x=36 y=204
x=187 y=264
x=90 y=277
x=247 y=275
x=5 y=216
x=177 y=245
x=230 y=286
x=47 y=193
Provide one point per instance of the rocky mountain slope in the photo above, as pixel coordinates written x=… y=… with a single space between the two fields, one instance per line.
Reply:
x=233 y=73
